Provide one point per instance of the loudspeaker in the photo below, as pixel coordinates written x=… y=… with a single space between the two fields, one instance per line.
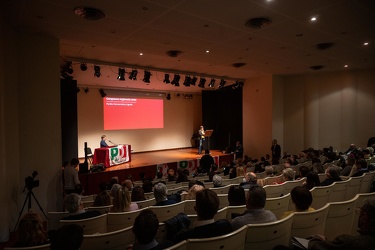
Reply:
x=83 y=168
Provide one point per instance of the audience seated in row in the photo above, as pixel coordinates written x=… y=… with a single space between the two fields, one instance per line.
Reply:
x=122 y=201
x=74 y=206
x=302 y=199
x=332 y=173
x=236 y=196
x=160 y=193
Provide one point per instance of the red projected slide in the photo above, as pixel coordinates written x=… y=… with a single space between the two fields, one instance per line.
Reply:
x=132 y=113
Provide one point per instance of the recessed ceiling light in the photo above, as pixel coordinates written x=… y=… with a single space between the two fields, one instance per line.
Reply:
x=346 y=65
x=207 y=51
x=313 y=19
x=365 y=43
x=141 y=54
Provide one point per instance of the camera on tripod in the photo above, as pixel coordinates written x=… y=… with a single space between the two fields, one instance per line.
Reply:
x=30 y=181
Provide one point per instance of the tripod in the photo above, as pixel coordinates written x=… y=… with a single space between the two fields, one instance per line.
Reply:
x=28 y=200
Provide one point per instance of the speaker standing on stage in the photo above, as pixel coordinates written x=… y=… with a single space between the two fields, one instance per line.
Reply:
x=103 y=144
x=201 y=139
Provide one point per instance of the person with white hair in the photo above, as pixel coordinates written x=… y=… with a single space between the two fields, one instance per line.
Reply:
x=160 y=193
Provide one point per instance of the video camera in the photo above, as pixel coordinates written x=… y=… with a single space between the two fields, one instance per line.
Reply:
x=30 y=181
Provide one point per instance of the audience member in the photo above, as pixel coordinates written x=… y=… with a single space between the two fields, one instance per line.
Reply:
x=236 y=196
x=67 y=237
x=71 y=176
x=255 y=213
x=181 y=176
x=114 y=189
x=138 y=194
x=128 y=184
x=147 y=186
x=269 y=170
x=303 y=170
x=288 y=174
x=213 y=171
x=250 y=180
x=205 y=162
x=160 y=193
x=30 y=231
x=359 y=168
x=195 y=182
x=190 y=195
x=102 y=199
x=207 y=205
x=318 y=168
x=159 y=175
x=239 y=150
x=312 y=180
x=145 y=228
x=332 y=173
x=347 y=166
x=302 y=199
x=113 y=181
x=122 y=201
x=171 y=175
x=217 y=180
x=276 y=152
x=74 y=206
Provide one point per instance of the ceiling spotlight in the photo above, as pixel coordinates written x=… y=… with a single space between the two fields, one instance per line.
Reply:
x=86 y=90
x=133 y=75
x=146 y=77
x=121 y=74
x=97 y=71
x=187 y=81
x=212 y=83
x=178 y=95
x=222 y=83
x=193 y=80
x=168 y=96
x=176 y=80
x=83 y=66
x=69 y=68
x=78 y=89
x=238 y=85
x=202 y=82
x=102 y=93
x=166 y=78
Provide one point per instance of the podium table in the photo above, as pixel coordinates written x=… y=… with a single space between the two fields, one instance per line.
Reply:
x=111 y=156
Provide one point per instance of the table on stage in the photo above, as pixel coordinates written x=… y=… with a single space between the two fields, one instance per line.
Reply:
x=111 y=156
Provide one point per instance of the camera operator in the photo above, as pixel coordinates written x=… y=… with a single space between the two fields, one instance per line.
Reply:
x=71 y=176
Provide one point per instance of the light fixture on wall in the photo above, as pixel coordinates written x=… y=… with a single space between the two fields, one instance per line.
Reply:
x=102 y=93
x=133 y=75
x=176 y=80
x=193 y=80
x=121 y=74
x=97 y=71
x=86 y=90
x=146 y=77
x=83 y=66
x=187 y=81
x=202 y=82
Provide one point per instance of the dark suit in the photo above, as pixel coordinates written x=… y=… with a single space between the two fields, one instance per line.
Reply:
x=276 y=154
x=103 y=144
x=205 y=163
x=217 y=228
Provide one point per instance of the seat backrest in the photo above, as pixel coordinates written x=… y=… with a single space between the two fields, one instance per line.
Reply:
x=354 y=187
x=289 y=185
x=117 y=221
x=321 y=196
x=171 y=191
x=41 y=247
x=235 y=210
x=272 y=179
x=322 y=176
x=101 y=209
x=274 y=191
x=168 y=211
x=340 y=215
x=221 y=190
x=179 y=246
x=339 y=190
x=223 y=200
x=92 y=225
x=232 y=241
x=119 y=239
x=367 y=180
x=278 y=205
x=189 y=207
x=146 y=203
x=149 y=195
x=361 y=198
x=54 y=218
x=266 y=236
x=306 y=224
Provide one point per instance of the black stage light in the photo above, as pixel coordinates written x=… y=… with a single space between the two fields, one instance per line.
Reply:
x=146 y=77
x=176 y=80
x=193 y=80
x=97 y=71
x=133 y=75
x=212 y=83
x=202 y=82
x=121 y=74
x=83 y=66
x=86 y=90
x=238 y=85
x=166 y=78
x=69 y=68
x=222 y=83
x=168 y=96
x=187 y=81
x=102 y=93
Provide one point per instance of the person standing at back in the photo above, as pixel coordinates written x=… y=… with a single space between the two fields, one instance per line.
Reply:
x=276 y=152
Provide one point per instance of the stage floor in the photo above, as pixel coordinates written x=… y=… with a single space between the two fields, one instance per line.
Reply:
x=163 y=156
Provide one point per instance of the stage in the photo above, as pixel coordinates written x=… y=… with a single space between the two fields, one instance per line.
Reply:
x=149 y=163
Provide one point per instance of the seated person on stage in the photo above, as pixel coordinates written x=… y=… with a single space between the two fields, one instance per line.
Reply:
x=207 y=205
x=332 y=173
x=145 y=228
x=255 y=213
x=302 y=199
x=250 y=180
x=160 y=193
x=103 y=142
x=30 y=231
x=206 y=161
x=74 y=206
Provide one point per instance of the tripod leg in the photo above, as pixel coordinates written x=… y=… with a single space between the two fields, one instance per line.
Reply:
x=40 y=207
x=28 y=198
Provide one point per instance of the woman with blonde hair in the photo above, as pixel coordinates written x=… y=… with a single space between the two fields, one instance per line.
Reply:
x=193 y=191
x=122 y=201
x=30 y=231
